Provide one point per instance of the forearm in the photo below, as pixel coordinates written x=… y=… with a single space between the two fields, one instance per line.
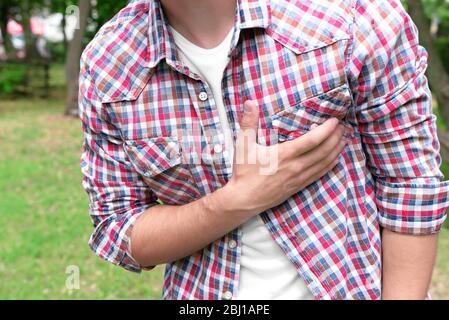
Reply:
x=168 y=233
x=408 y=263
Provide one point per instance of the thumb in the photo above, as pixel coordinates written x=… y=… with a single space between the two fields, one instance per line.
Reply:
x=247 y=138
x=249 y=123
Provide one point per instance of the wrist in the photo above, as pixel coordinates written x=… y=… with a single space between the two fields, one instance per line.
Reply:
x=228 y=201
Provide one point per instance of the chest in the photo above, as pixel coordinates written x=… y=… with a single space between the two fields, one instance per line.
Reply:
x=172 y=131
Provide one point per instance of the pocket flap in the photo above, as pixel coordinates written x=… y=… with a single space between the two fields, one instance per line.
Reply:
x=303 y=117
x=153 y=156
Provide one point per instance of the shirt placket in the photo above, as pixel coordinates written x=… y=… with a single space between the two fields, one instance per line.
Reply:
x=213 y=155
x=232 y=102
x=203 y=100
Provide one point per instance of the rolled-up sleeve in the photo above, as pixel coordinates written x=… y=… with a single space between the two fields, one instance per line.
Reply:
x=393 y=108
x=118 y=195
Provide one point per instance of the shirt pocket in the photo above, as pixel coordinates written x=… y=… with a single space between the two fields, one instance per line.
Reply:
x=294 y=121
x=161 y=164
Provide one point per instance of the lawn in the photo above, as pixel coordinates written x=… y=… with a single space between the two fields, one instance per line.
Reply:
x=44 y=222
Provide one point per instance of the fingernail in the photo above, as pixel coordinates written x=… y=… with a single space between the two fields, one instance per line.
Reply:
x=248 y=107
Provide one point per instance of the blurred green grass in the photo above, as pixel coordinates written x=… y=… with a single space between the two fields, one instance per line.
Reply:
x=44 y=218
x=44 y=222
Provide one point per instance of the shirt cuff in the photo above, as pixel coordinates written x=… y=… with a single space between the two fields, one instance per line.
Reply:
x=111 y=240
x=415 y=206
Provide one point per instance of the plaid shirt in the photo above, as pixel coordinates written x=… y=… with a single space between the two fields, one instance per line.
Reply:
x=151 y=127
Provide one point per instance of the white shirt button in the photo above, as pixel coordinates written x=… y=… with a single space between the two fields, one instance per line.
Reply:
x=227 y=295
x=218 y=148
x=203 y=96
x=232 y=244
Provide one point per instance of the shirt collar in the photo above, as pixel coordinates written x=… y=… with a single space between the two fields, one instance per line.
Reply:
x=249 y=14
x=254 y=14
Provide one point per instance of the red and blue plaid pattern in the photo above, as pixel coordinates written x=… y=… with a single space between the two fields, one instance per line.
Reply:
x=148 y=136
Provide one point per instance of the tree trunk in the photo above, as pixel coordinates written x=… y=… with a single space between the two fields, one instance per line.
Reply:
x=436 y=73
x=64 y=26
x=30 y=47
x=4 y=17
x=73 y=58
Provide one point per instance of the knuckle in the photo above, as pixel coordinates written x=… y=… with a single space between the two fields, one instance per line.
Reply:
x=298 y=167
x=282 y=151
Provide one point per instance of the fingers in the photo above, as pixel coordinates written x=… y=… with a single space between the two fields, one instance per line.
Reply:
x=246 y=143
x=320 y=168
x=312 y=139
x=319 y=154
x=249 y=122
x=320 y=173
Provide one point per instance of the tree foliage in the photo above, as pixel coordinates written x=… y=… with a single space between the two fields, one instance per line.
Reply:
x=436 y=11
x=21 y=10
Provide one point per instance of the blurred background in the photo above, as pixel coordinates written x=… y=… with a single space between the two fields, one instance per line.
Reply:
x=44 y=222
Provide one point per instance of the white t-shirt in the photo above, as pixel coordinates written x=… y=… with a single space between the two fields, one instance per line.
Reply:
x=265 y=270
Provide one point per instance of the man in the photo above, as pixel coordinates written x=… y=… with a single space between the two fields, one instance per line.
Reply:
x=287 y=142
